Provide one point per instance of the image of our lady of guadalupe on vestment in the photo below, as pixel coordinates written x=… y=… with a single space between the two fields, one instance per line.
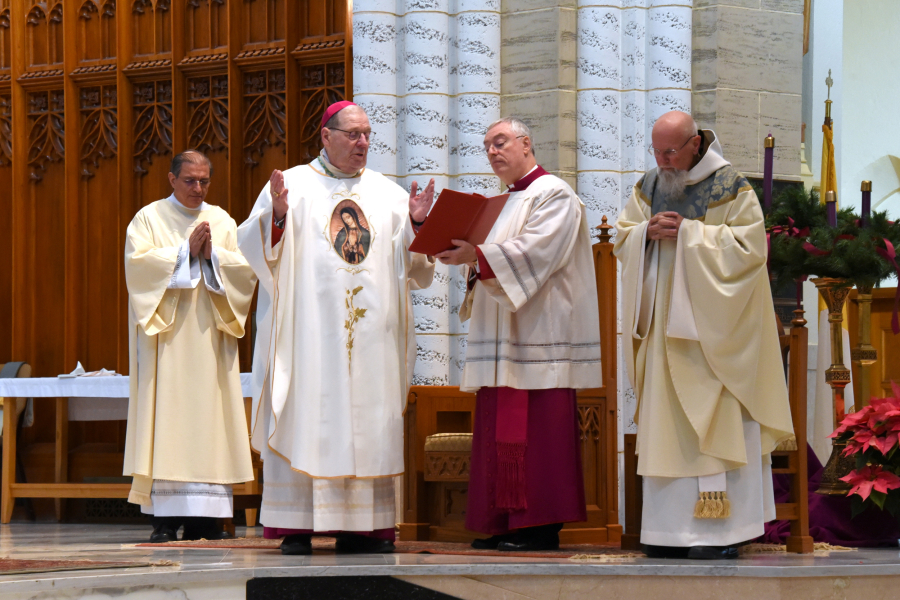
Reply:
x=351 y=235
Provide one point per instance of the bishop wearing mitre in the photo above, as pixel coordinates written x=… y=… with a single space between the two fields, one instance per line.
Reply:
x=189 y=293
x=335 y=347
x=700 y=344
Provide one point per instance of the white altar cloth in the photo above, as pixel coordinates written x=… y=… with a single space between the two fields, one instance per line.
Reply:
x=90 y=398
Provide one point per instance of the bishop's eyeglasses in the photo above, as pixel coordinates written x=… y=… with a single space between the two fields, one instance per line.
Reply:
x=355 y=135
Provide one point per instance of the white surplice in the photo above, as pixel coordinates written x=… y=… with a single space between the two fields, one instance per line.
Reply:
x=335 y=347
x=536 y=325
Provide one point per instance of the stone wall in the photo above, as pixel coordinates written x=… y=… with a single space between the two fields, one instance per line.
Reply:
x=538 y=80
x=747 y=79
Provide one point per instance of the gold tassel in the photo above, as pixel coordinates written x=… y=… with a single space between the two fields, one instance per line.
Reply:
x=699 y=507
x=712 y=505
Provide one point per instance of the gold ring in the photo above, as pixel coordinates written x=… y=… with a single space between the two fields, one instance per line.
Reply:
x=277 y=194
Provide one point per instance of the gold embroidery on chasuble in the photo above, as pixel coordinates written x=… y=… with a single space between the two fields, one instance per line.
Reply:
x=354 y=314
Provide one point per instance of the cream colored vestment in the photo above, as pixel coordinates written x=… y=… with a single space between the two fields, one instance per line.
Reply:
x=335 y=348
x=701 y=347
x=186 y=420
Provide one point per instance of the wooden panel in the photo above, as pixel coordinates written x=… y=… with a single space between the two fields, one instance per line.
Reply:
x=72 y=490
x=323 y=84
x=592 y=434
x=6 y=200
x=208 y=129
x=152 y=29
x=265 y=131
x=5 y=40
x=102 y=244
x=206 y=26
x=45 y=270
x=262 y=23
x=96 y=96
x=887 y=345
x=44 y=34
x=96 y=30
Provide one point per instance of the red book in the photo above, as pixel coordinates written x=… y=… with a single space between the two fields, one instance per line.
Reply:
x=457 y=216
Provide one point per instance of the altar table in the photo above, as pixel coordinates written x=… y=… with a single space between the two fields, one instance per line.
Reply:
x=78 y=399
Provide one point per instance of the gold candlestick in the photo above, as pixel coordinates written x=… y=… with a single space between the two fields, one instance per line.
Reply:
x=864 y=355
x=834 y=292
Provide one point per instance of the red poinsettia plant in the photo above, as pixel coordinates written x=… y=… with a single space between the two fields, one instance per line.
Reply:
x=873 y=437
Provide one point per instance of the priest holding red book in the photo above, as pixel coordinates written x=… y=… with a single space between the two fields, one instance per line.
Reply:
x=534 y=339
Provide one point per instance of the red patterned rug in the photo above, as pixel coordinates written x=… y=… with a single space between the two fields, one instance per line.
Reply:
x=14 y=566
x=325 y=545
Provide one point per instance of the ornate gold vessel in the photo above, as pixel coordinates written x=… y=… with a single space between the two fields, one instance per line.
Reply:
x=834 y=292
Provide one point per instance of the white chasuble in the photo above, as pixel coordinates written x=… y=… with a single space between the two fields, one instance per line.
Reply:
x=335 y=347
x=700 y=344
x=186 y=419
x=537 y=325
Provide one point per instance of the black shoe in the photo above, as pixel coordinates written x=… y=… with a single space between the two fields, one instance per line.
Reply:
x=665 y=551
x=204 y=528
x=523 y=542
x=361 y=544
x=163 y=534
x=713 y=553
x=492 y=542
x=528 y=546
x=296 y=544
x=532 y=539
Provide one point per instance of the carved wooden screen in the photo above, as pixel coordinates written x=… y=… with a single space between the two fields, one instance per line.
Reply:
x=95 y=97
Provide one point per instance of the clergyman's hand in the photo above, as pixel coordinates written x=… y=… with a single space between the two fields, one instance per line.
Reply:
x=463 y=254
x=664 y=226
x=279 y=194
x=207 y=247
x=420 y=203
x=198 y=238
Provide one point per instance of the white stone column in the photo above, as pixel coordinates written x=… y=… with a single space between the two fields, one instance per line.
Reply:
x=428 y=74
x=425 y=153
x=375 y=69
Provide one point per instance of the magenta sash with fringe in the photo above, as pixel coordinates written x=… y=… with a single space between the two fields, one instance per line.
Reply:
x=512 y=432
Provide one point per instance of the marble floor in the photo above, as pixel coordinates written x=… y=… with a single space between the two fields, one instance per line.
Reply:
x=201 y=574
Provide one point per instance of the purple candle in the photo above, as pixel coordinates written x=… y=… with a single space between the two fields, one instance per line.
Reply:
x=831 y=209
x=769 y=144
x=866 y=188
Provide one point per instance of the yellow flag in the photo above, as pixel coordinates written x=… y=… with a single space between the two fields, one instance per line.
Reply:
x=829 y=184
x=829 y=169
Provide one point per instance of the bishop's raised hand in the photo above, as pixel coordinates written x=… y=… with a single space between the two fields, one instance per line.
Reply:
x=420 y=203
x=279 y=194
